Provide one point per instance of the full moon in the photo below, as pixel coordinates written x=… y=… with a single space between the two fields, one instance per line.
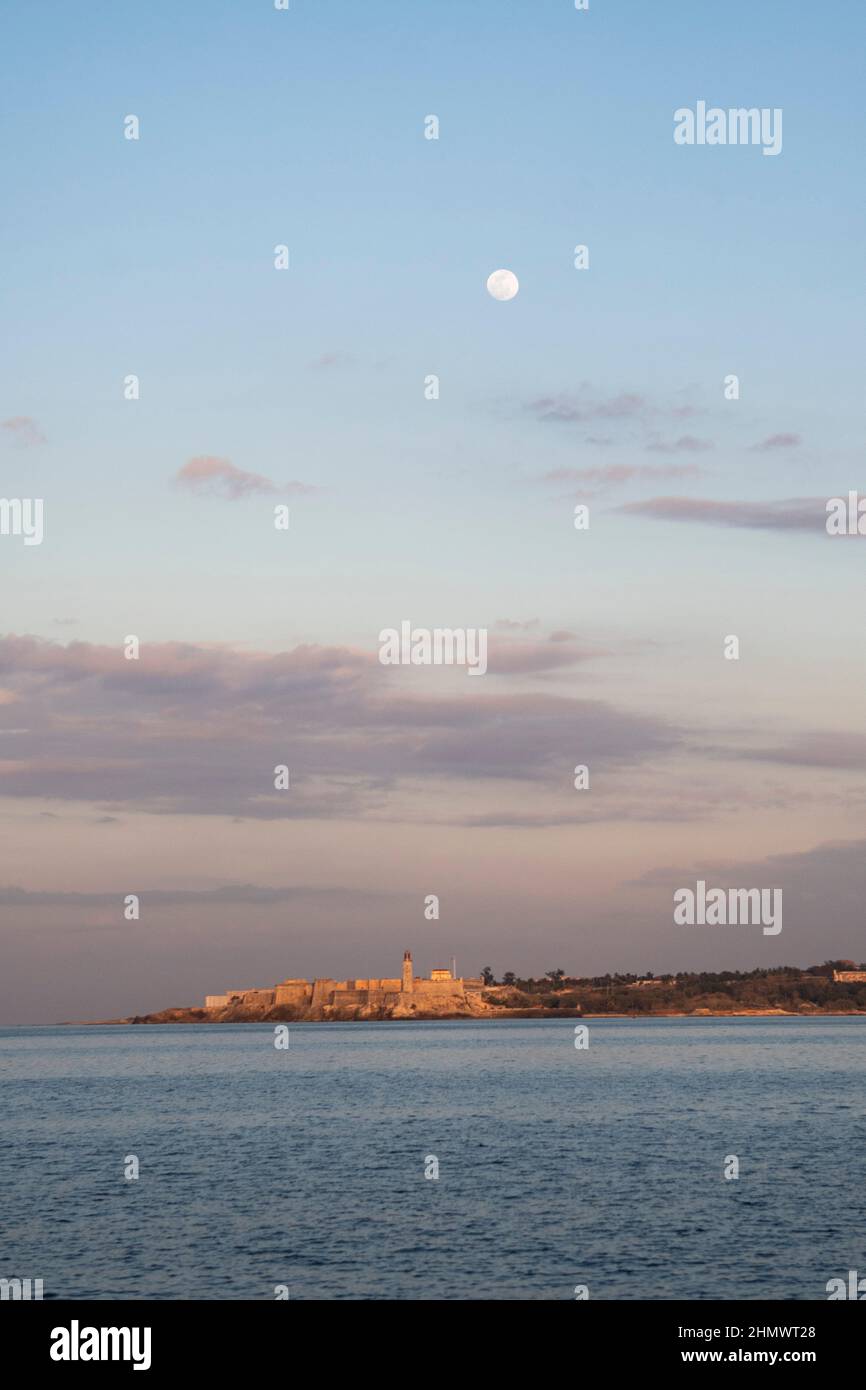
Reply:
x=502 y=284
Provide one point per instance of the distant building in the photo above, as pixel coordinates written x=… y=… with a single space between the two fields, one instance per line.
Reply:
x=347 y=993
x=239 y=996
x=849 y=977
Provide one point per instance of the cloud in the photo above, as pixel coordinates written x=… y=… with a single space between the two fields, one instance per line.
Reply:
x=789 y=514
x=777 y=441
x=686 y=444
x=511 y=657
x=584 y=405
x=25 y=432
x=825 y=885
x=612 y=475
x=230 y=893
x=573 y=407
x=332 y=359
x=819 y=748
x=200 y=729
x=220 y=478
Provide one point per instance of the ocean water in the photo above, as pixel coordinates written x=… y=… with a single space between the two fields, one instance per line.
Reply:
x=305 y=1167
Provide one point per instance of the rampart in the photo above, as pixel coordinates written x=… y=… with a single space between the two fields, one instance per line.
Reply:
x=404 y=991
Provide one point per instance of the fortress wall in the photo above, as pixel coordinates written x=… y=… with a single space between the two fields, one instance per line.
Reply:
x=353 y=998
x=440 y=989
x=258 y=996
x=322 y=991
x=296 y=992
x=379 y=991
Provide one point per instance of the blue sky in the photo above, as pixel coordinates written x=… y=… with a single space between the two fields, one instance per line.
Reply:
x=305 y=127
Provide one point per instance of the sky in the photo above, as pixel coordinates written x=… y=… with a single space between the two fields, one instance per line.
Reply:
x=305 y=387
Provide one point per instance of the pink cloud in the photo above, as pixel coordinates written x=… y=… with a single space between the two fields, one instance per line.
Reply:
x=686 y=444
x=777 y=441
x=24 y=431
x=333 y=359
x=220 y=478
x=198 y=728
x=580 y=406
x=612 y=475
x=527 y=656
x=789 y=514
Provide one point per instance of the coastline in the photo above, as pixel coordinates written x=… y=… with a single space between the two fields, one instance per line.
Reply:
x=199 y=1016
x=765 y=992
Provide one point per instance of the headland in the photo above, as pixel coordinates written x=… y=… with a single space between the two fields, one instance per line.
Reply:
x=836 y=987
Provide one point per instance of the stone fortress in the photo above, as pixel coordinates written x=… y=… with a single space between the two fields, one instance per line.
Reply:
x=403 y=996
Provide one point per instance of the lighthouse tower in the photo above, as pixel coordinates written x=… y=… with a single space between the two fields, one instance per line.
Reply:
x=407 y=972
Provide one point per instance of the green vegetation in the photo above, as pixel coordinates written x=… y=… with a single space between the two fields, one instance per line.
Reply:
x=786 y=987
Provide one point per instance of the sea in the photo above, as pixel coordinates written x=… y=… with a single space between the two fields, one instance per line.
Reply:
x=668 y=1158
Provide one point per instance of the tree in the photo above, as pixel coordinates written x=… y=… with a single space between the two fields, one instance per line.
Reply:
x=488 y=976
x=555 y=977
x=509 y=978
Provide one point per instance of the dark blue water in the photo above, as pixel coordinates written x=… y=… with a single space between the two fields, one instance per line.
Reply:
x=557 y=1167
